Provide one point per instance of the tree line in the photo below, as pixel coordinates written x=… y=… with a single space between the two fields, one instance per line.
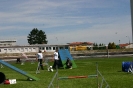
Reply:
x=103 y=46
x=39 y=37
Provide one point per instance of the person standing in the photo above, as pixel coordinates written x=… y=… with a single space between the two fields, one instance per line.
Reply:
x=56 y=59
x=40 y=59
x=24 y=58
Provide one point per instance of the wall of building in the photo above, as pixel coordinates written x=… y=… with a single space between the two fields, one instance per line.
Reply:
x=18 y=49
x=32 y=48
x=52 y=48
x=7 y=42
x=129 y=46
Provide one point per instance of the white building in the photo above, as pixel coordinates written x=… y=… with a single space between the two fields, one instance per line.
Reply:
x=18 y=49
x=52 y=48
x=7 y=42
x=31 y=48
x=129 y=46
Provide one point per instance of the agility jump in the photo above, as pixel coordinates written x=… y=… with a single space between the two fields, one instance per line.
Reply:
x=99 y=85
x=75 y=77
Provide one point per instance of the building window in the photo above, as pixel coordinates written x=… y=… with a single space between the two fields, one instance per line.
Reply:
x=42 y=48
x=26 y=49
x=66 y=47
x=10 y=50
x=61 y=47
x=49 y=48
x=53 y=48
x=56 y=47
x=30 y=49
x=5 y=50
x=22 y=49
x=18 y=49
x=46 y=48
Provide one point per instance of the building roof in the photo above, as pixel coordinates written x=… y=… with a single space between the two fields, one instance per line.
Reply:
x=8 y=40
x=123 y=45
x=80 y=43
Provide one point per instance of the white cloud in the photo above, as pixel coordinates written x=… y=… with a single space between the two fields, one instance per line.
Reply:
x=68 y=20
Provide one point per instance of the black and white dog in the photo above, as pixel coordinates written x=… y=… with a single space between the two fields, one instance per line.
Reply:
x=50 y=69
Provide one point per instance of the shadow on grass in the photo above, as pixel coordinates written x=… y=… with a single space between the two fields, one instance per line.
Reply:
x=24 y=80
x=119 y=71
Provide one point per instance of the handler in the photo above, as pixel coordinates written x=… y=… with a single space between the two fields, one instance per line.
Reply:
x=40 y=59
x=56 y=59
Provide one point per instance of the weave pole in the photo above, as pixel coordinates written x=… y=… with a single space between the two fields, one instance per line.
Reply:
x=51 y=83
x=38 y=68
x=97 y=75
x=55 y=77
x=1 y=66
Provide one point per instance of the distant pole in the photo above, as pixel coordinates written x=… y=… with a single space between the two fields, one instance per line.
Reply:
x=107 y=50
x=131 y=6
x=128 y=39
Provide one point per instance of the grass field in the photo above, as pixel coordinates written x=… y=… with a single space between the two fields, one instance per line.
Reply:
x=110 y=68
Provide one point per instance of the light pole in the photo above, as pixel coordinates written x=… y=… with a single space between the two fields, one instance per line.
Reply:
x=128 y=39
x=107 y=50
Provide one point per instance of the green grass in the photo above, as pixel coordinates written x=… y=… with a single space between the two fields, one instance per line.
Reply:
x=110 y=68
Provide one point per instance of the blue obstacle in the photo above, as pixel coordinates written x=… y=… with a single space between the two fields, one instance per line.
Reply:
x=18 y=70
x=64 y=54
x=126 y=66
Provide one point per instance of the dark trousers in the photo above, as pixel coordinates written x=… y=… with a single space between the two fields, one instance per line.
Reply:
x=40 y=65
x=18 y=60
x=55 y=65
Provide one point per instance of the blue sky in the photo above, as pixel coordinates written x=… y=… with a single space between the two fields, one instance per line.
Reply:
x=65 y=21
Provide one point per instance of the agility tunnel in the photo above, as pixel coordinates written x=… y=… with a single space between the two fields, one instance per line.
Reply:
x=18 y=70
x=63 y=55
x=126 y=66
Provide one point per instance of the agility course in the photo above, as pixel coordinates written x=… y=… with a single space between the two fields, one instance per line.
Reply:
x=97 y=75
x=110 y=68
x=18 y=70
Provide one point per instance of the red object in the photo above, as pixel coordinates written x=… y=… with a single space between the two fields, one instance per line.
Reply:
x=72 y=77
x=6 y=81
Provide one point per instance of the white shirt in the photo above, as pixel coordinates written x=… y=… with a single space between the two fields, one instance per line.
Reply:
x=39 y=55
x=56 y=55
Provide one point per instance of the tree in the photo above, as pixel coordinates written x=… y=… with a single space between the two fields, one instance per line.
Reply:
x=109 y=45
x=112 y=46
x=95 y=46
x=37 y=37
